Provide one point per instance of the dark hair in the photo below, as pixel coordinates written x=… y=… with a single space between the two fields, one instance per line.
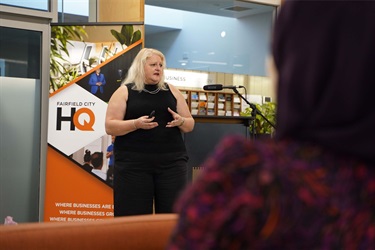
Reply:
x=97 y=160
x=87 y=156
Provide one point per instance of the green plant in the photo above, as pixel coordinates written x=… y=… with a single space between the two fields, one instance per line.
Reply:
x=108 y=51
x=61 y=71
x=93 y=60
x=268 y=110
x=127 y=35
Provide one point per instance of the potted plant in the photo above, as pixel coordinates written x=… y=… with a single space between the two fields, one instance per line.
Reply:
x=260 y=126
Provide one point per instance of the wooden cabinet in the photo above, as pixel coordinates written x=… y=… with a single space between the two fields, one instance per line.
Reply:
x=212 y=103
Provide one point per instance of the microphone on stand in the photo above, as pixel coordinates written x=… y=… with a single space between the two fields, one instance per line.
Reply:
x=219 y=87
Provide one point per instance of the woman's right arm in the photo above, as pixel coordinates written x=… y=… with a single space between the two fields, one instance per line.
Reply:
x=114 y=120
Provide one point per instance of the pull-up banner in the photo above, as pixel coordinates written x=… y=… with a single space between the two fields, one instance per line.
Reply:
x=79 y=93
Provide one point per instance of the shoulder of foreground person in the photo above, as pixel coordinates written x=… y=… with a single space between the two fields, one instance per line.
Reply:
x=262 y=194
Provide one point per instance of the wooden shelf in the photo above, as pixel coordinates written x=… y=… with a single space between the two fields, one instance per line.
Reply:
x=212 y=103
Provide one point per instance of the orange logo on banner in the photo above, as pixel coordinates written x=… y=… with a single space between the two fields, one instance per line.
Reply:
x=86 y=126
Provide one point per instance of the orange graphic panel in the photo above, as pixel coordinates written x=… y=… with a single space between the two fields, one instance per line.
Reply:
x=72 y=194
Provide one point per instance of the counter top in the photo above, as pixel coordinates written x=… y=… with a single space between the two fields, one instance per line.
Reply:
x=245 y=120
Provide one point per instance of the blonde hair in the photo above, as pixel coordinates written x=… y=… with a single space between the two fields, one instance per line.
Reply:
x=136 y=73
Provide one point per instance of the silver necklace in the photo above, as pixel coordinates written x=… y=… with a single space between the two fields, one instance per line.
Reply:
x=152 y=92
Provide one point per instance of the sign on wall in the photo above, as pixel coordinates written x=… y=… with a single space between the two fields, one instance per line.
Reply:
x=188 y=79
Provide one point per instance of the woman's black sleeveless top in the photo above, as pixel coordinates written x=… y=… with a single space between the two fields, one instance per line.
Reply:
x=157 y=140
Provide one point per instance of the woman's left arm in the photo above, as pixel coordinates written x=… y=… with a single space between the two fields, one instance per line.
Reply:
x=183 y=118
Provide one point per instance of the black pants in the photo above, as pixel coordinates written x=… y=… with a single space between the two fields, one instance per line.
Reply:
x=144 y=180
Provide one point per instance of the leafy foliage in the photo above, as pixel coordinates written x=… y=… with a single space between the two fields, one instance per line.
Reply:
x=268 y=110
x=126 y=36
x=61 y=72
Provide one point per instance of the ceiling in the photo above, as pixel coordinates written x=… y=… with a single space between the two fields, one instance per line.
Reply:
x=225 y=8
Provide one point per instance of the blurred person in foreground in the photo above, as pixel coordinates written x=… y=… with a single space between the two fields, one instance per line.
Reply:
x=313 y=186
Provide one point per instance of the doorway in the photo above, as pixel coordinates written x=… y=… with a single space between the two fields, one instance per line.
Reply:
x=24 y=71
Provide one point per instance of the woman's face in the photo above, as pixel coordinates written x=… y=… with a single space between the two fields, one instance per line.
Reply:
x=153 y=69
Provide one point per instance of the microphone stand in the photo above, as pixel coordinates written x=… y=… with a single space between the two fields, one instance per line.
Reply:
x=254 y=112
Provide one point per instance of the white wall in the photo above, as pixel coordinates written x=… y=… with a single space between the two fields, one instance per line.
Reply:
x=196 y=39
